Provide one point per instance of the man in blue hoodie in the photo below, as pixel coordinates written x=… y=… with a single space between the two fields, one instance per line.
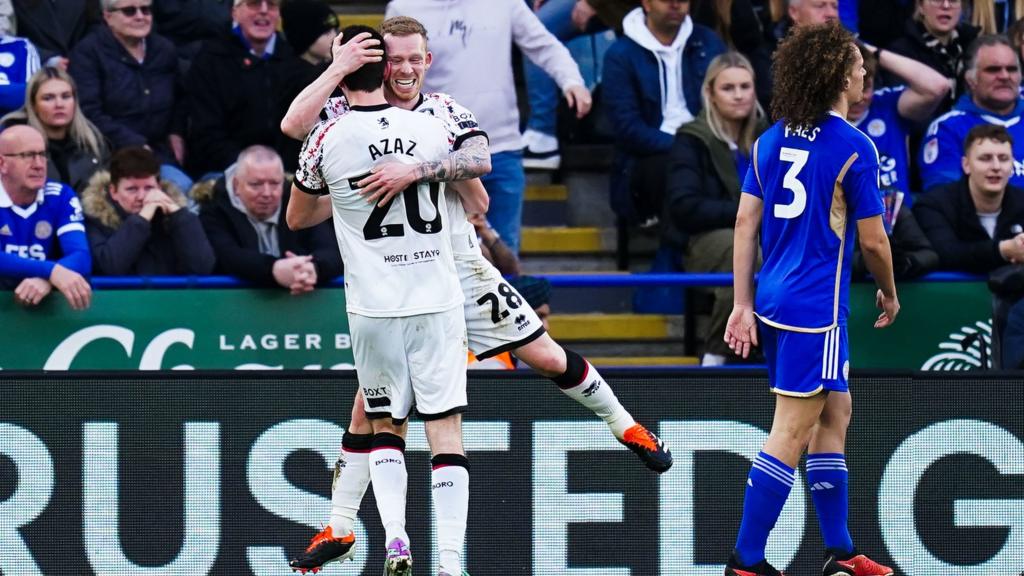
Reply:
x=993 y=80
x=655 y=70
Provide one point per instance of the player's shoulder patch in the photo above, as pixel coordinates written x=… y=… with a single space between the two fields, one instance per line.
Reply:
x=933 y=128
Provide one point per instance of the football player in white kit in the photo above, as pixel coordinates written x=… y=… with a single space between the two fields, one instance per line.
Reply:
x=491 y=305
x=402 y=297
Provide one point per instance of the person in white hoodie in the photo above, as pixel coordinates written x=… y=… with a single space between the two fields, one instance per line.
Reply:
x=653 y=76
x=471 y=41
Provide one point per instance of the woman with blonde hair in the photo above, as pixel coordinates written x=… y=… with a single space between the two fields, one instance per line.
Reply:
x=706 y=167
x=76 y=148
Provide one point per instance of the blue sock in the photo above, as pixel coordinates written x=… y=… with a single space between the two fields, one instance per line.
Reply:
x=828 y=480
x=768 y=486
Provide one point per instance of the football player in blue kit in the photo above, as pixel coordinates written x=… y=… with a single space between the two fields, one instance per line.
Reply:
x=812 y=186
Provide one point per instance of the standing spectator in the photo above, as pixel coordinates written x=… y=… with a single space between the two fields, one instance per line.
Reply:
x=129 y=86
x=188 y=23
x=138 y=226
x=974 y=223
x=469 y=39
x=55 y=26
x=18 y=62
x=656 y=70
x=243 y=218
x=937 y=37
x=993 y=79
x=235 y=88
x=42 y=238
x=76 y=147
x=709 y=157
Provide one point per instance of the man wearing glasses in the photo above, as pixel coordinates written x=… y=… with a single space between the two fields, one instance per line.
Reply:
x=993 y=96
x=38 y=220
x=235 y=86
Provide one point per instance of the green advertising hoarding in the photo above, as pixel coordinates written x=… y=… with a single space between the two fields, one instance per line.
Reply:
x=229 y=329
x=211 y=329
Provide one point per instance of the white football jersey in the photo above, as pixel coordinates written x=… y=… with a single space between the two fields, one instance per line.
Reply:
x=398 y=258
x=460 y=124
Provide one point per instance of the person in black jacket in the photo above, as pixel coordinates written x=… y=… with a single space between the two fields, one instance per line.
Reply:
x=976 y=224
x=139 y=226
x=129 y=85
x=708 y=161
x=937 y=38
x=54 y=27
x=236 y=87
x=243 y=215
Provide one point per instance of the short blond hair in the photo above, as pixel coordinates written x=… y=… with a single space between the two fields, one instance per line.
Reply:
x=402 y=26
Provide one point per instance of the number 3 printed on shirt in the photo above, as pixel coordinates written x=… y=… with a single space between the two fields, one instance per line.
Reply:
x=790 y=182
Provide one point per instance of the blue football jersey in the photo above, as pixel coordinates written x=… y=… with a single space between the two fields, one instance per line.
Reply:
x=889 y=132
x=815 y=183
x=29 y=236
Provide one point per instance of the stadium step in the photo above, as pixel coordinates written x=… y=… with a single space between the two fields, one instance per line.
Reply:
x=643 y=361
x=372 y=20
x=618 y=327
x=545 y=205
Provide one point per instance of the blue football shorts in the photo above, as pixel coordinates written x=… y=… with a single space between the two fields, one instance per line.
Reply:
x=802 y=364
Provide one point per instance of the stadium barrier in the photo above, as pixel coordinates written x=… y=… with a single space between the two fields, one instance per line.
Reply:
x=164 y=323
x=166 y=474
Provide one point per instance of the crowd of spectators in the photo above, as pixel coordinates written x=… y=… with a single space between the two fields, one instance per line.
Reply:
x=160 y=120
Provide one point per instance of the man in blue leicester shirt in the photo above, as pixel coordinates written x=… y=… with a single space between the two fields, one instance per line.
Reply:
x=886 y=115
x=38 y=221
x=993 y=80
x=813 y=184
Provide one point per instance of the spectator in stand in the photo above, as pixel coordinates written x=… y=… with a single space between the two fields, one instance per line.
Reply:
x=995 y=16
x=187 y=23
x=243 y=218
x=310 y=27
x=656 y=70
x=708 y=160
x=55 y=27
x=469 y=39
x=76 y=147
x=736 y=22
x=129 y=85
x=993 y=79
x=937 y=37
x=18 y=62
x=138 y=225
x=42 y=237
x=884 y=30
x=804 y=12
x=236 y=87
x=975 y=223
x=888 y=115
x=566 y=20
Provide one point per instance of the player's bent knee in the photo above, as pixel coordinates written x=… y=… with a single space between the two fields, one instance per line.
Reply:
x=544 y=355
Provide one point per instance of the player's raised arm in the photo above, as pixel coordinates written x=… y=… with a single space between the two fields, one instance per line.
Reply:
x=874 y=245
x=741 y=330
x=304 y=111
x=473 y=195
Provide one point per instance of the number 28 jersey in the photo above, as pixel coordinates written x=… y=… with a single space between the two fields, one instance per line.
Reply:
x=398 y=258
x=815 y=183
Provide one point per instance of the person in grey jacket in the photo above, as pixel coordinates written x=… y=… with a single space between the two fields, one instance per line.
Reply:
x=138 y=226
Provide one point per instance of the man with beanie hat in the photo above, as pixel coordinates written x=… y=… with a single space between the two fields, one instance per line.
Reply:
x=309 y=26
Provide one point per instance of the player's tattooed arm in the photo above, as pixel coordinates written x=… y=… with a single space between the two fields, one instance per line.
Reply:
x=471 y=160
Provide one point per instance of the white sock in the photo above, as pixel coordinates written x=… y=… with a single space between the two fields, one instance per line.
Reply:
x=450 y=490
x=595 y=393
x=351 y=478
x=390 y=479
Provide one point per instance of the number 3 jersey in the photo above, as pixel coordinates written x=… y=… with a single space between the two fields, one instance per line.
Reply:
x=398 y=258
x=815 y=183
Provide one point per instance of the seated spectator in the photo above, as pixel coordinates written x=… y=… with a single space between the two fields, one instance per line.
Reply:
x=993 y=79
x=243 y=215
x=912 y=253
x=188 y=23
x=76 y=147
x=236 y=87
x=128 y=85
x=18 y=62
x=55 y=27
x=807 y=12
x=708 y=161
x=139 y=226
x=974 y=223
x=656 y=70
x=42 y=237
x=888 y=115
x=938 y=38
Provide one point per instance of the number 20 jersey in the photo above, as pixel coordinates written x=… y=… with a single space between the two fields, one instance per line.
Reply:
x=815 y=183
x=398 y=259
